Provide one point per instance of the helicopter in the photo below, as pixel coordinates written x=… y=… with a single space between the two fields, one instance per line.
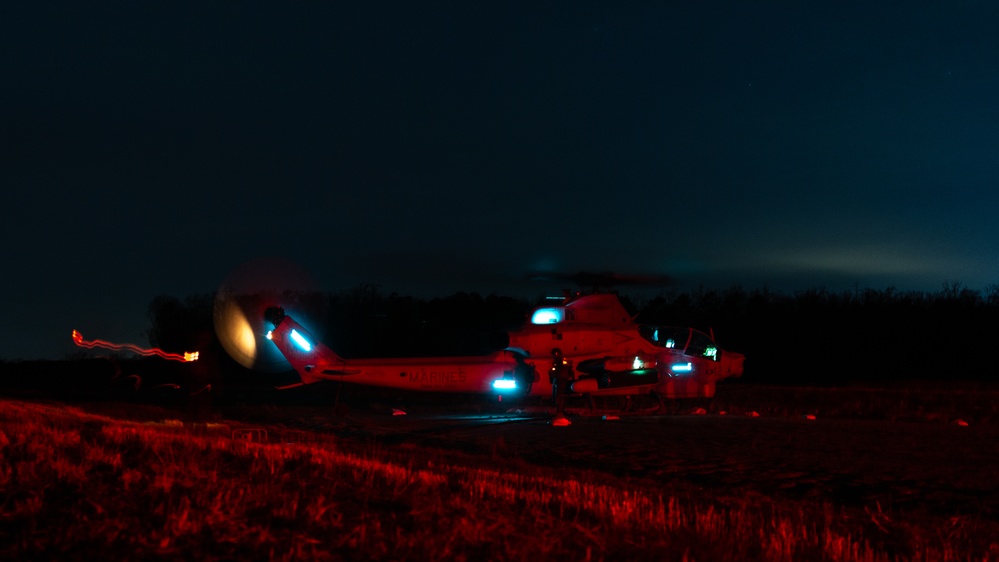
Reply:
x=609 y=354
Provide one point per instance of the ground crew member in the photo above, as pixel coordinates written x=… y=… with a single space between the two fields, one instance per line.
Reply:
x=560 y=375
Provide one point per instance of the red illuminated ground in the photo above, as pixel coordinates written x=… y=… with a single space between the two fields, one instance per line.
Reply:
x=831 y=469
x=929 y=463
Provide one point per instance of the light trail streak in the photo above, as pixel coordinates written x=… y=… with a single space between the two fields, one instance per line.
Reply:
x=187 y=356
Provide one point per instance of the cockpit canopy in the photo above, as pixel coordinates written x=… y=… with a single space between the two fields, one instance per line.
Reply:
x=687 y=341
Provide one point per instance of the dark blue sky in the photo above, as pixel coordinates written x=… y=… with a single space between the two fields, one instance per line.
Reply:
x=149 y=149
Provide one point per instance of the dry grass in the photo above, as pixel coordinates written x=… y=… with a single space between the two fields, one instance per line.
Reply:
x=75 y=485
x=975 y=403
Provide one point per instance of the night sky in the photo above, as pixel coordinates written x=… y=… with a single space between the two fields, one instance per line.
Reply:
x=150 y=148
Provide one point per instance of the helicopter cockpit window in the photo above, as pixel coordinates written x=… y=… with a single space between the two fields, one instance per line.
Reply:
x=666 y=336
x=702 y=345
x=552 y=315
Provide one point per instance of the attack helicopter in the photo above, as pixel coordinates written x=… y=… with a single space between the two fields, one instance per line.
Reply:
x=609 y=353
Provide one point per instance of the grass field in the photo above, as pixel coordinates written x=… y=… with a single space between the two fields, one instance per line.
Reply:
x=77 y=485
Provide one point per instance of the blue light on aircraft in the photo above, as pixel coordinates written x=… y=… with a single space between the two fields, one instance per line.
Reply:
x=682 y=367
x=301 y=341
x=505 y=384
x=548 y=316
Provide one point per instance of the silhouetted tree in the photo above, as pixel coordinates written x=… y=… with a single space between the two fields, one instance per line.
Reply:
x=178 y=326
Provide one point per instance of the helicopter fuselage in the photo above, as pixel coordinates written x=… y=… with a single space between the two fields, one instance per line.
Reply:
x=609 y=353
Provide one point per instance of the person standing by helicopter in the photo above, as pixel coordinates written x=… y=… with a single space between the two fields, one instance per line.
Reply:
x=560 y=375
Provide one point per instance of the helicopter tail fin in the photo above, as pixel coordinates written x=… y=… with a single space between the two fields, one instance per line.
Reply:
x=310 y=358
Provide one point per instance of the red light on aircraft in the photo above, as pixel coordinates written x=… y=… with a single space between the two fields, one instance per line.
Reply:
x=187 y=356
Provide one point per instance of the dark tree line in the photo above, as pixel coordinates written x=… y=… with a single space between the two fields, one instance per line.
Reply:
x=808 y=337
x=365 y=323
x=822 y=337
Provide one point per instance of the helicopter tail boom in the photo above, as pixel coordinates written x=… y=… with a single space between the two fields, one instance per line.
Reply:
x=500 y=373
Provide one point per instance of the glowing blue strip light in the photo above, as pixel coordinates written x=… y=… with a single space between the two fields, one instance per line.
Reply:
x=302 y=342
x=682 y=367
x=548 y=316
x=505 y=384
